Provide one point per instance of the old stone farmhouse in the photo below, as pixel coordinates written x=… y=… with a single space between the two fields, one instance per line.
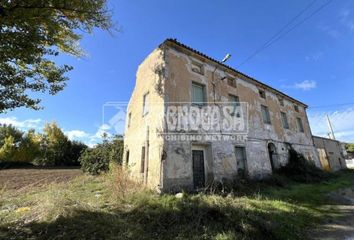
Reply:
x=177 y=74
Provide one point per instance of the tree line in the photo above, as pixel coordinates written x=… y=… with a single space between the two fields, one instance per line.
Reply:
x=52 y=147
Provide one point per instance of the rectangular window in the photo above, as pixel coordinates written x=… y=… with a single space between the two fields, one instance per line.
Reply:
x=129 y=118
x=296 y=108
x=262 y=94
x=197 y=68
x=241 y=161
x=127 y=158
x=142 y=164
x=265 y=114
x=198 y=94
x=231 y=81
x=284 y=120
x=146 y=103
x=281 y=101
x=235 y=104
x=299 y=124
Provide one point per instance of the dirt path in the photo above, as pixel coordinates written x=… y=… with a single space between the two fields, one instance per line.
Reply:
x=342 y=227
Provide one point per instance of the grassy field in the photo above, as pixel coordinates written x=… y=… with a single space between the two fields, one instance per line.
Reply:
x=112 y=207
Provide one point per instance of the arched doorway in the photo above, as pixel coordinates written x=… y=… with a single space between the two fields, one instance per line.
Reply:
x=272 y=150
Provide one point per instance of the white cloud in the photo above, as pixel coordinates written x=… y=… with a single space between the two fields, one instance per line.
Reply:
x=342 y=121
x=304 y=85
x=346 y=19
x=76 y=134
x=28 y=123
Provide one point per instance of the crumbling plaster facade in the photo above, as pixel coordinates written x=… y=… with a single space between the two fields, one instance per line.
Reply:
x=330 y=153
x=166 y=74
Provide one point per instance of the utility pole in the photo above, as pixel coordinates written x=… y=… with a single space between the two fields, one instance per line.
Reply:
x=331 y=132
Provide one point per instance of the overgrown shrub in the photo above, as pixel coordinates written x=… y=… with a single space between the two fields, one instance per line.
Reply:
x=94 y=161
x=122 y=185
x=300 y=169
x=97 y=160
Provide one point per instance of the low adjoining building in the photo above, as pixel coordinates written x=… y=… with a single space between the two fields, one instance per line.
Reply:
x=167 y=153
x=331 y=153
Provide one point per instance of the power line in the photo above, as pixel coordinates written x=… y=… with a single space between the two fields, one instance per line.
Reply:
x=279 y=34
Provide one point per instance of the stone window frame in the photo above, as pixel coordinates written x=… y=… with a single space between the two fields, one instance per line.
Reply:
x=262 y=93
x=145 y=104
x=300 y=125
x=284 y=120
x=237 y=103
x=203 y=86
x=266 y=115
x=197 y=67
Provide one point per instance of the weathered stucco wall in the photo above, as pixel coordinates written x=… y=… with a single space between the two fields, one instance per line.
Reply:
x=142 y=127
x=167 y=75
x=178 y=166
x=332 y=153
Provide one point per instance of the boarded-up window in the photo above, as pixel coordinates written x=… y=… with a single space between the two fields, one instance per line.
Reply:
x=284 y=120
x=265 y=114
x=198 y=94
x=299 y=124
x=142 y=165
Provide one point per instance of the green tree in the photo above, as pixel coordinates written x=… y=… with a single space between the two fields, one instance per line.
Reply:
x=7 y=150
x=32 y=33
x=349 y=147
x=28 y=149
x=96 y=160
x=74 y=152
x=9 y=130
x=54 y=146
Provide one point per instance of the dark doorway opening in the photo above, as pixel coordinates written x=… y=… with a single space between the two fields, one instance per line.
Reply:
x=198 y=169
x=241 y=161
x=272 y=155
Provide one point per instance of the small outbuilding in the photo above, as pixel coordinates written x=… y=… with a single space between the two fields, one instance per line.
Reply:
x=330 y=153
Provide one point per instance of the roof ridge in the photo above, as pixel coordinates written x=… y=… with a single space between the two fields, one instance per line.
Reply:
x=175 y=41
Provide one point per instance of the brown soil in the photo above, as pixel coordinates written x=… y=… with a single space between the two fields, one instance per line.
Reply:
x=20 y=179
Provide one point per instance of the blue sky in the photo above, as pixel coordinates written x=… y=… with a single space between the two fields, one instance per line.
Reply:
x=313 y=63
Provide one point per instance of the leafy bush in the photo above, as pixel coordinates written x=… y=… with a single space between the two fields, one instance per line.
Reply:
x=94 y=161
x=300 y=169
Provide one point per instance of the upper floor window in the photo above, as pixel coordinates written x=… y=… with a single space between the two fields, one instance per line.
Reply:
x=198 y=93
x=231 y=81
x=129 y=118
x=284 y=120
x=262 y=93
x=265 y=114
x=146 y=103
x=197 y=67
x=281 y=101
x=299 y=124
x=296 y=108
x=235 y=104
